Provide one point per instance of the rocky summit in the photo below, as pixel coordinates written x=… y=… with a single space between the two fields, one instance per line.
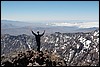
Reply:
x=57 y=49
x=34 y=58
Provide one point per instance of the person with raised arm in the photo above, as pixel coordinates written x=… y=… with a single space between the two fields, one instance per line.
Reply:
x=37 y=36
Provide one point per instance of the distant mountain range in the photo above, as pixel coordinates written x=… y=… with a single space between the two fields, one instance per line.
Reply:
x=11 y=43
x=14 y=23
x=19 y=27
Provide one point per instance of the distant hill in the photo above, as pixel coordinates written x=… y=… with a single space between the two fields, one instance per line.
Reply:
x=14 y=23
x=7 y=25
x=86 y=29
x=49 y=30
x=19 y=27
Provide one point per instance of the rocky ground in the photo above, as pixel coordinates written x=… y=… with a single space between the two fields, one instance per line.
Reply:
x=33 y=58
x=58 y=49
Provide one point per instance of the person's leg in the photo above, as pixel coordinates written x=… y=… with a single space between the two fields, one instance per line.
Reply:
x=38 y=44
x=39 y=47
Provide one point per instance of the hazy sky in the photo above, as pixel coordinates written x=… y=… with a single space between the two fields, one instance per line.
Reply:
x=49 y=10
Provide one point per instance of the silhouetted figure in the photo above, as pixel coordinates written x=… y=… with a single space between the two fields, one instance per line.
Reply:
x=37 y=36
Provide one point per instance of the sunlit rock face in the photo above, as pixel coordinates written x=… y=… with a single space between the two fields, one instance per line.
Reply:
x=72 y=47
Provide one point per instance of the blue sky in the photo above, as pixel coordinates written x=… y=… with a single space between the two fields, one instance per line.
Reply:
x=49 y=10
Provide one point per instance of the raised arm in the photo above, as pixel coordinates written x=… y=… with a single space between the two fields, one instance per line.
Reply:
x=42 y=33
x=33 y=33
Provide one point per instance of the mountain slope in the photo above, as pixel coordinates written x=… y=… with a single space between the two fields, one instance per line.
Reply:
x=76 y=49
